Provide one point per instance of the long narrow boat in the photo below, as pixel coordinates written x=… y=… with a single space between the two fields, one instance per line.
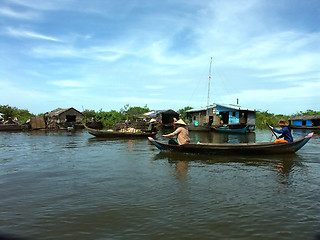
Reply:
x=237 y=148
x=230 y=130
x=11 y=127
x=115 y=134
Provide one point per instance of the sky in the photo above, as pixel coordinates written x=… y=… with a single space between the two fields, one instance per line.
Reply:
x=104 y=54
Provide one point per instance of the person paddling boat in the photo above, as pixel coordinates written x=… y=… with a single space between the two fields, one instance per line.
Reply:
x=284 y=131
x=181 y=132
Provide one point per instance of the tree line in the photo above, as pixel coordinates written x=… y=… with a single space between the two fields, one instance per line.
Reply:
x=127 y=112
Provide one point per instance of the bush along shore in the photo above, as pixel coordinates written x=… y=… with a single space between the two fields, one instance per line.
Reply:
x=110 y=119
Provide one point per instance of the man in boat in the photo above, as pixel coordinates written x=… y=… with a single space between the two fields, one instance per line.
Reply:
x=284 y=131
x=181 y=132
x=152 y=126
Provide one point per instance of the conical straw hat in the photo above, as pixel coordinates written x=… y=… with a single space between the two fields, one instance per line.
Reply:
x=181 y=122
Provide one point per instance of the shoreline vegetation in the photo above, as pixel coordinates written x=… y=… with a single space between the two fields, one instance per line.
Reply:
x=110 y=118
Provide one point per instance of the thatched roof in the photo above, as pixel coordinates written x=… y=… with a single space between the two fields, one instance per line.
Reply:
x=59 y=111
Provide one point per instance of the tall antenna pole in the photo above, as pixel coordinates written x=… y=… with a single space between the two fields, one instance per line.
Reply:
x=209 y=83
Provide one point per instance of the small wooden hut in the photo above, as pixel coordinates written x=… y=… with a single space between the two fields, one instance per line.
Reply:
x=60 y=117
x=165 y=118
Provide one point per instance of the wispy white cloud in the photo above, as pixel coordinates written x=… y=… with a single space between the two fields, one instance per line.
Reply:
x=94 y=53
x=282 y=52
x=25 y=15
x=68 y=83
x=283 y=99
x=7 y=89
x=155 y=87
x=161 y=46
x=43 y=5
x=29 y=34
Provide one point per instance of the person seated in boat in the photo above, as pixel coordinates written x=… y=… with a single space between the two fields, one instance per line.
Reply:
x=152 y=126
x=285 y=131
x=9 y=121
x=181 y=132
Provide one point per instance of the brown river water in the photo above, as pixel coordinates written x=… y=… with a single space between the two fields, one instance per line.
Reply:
x=71 y=185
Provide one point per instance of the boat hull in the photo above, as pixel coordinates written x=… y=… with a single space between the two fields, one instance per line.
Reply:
x=240 y=148
x=199 y=128
x=115 y=134
x=228 y=130
x=11 y=127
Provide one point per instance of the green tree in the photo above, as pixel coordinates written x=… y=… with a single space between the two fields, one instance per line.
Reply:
x=270 y=118
x=183 y=113
x=109 y=119
x=89 y=114
x=22 y=114
x=309 y=112
x=134 y=111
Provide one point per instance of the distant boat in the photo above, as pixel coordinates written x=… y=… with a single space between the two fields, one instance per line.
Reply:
x=11 y=127
x=199 y=128
x=115 y=134
x=230 y=130
x=235 y=148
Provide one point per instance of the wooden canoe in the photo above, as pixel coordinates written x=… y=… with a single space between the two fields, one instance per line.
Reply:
x=115 y=134
x=11 y=127
x=230 y=130
x=236 y=148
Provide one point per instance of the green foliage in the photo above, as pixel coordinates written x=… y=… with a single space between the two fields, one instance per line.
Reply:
x=89 y=114
x=134 y=111
x=109 y=119
x=22 y=114
x=182 y=112
x=262 y=117
x=309 y=112
x=273 y=119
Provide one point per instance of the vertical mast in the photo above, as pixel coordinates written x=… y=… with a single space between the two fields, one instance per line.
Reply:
x=209 y=77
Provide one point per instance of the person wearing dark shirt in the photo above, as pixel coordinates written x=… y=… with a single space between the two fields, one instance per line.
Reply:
x=284 y=131
x=152 y=126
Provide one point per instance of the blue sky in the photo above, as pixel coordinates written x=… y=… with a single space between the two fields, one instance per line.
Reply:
x=102 y=54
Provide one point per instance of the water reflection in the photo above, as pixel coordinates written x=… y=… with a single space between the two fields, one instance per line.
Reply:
x=213 y=137
x=283 y=165
x=286 y=166
x=181 y=169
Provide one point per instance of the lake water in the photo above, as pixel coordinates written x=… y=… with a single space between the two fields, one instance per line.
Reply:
x=70 y=185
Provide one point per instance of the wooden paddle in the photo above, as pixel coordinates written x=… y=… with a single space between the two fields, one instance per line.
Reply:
x=271 y=129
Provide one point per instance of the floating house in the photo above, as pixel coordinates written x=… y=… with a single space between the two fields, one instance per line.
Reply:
x=227 y=115
x=164 y=117
x=60 y=117
x=305 y=122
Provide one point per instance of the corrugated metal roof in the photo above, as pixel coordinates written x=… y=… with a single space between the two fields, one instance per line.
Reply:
x=230 y=106
x=196 y=110
x=305 y=117
x=236 y=107
x=155 y=113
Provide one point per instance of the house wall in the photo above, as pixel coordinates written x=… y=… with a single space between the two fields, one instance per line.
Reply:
x=233 y=117
x=302 y=123
x=200 y=117
x=251 y=118
x=71 y=112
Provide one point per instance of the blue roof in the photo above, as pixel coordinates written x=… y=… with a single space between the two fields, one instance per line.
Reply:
x=230 y=106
